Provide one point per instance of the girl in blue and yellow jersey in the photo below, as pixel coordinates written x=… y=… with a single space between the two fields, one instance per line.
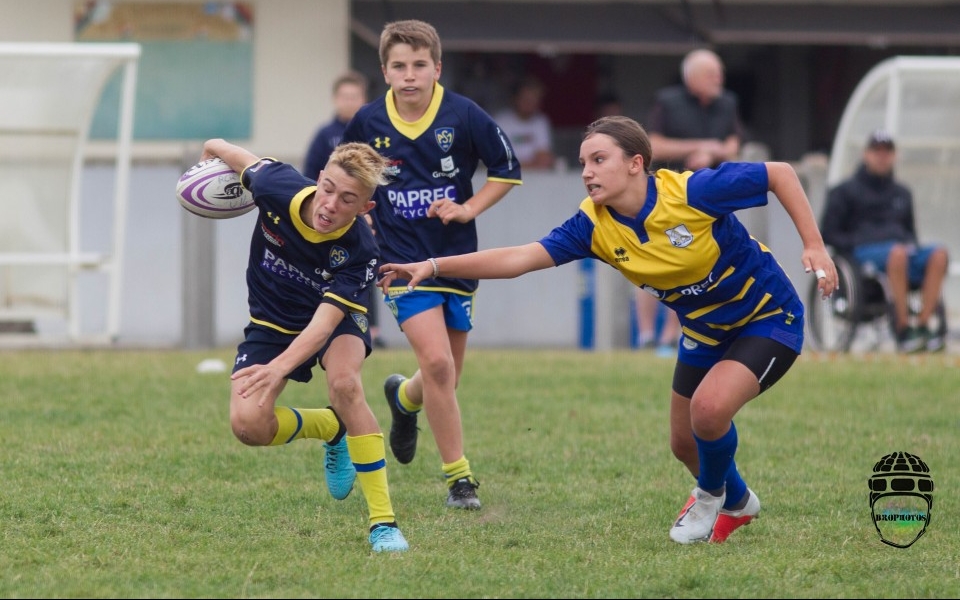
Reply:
x=676 y=236
x=435 y=140
x=311 y=269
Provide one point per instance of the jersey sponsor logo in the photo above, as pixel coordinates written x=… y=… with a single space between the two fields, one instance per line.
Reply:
x=680 y=236
x=413 y=204
x=270 y=236
x=381 y=142
x=444 y=137
x=620 y=255
x=278 y=266
x=393 y=169
x=449 y=168
x=698 y=288
x=338 y=256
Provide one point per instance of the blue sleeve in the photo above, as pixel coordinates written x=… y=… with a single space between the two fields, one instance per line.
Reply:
x=570 y=241
x=728 y=188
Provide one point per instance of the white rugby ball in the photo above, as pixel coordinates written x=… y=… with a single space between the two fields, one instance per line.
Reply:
x=212 y=189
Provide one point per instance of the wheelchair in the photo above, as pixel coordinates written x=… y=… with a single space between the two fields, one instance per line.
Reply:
x=860 y=307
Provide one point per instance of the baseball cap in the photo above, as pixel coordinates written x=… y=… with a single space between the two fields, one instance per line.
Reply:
x=880 y=137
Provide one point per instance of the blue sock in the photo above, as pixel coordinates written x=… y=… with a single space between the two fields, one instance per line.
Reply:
x=736 y=488
x=716 y=457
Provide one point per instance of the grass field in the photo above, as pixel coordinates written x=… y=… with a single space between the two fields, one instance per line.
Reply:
x=120 y=479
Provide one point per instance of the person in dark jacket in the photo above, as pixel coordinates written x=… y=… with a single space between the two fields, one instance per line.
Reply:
x=870 y=216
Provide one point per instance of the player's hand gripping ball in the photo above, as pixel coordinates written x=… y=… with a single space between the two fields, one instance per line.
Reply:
x=212 y=189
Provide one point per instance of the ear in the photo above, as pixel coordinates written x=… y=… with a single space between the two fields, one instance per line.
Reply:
x=636 y=164
x=436 y=75
x=367 y=207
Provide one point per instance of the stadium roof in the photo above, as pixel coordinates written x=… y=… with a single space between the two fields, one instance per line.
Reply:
x=665 y=26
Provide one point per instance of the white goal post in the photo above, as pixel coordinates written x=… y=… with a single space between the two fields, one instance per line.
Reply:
x=50 y=93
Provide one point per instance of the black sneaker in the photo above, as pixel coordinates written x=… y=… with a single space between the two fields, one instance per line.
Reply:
x=912 y=340
x=936 y=343
x=403 y=428
x=463 y=494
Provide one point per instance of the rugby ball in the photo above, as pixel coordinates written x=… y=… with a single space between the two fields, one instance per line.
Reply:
x=212 y=189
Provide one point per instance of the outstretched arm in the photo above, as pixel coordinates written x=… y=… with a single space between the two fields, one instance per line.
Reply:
x=495 y=263
x=786 y=186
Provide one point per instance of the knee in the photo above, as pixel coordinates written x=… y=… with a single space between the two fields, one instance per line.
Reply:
x=344 y=391
x=439 y=369
x=897 y=257
x=250 y=431
x=939 y=259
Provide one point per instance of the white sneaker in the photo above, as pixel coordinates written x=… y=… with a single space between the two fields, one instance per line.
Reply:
x=730 y=520
x=695 y=523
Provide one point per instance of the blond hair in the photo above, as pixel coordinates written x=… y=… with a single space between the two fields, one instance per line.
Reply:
x=362 y=163
x=417 y=34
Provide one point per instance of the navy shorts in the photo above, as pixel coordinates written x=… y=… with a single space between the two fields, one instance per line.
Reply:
x=261 y=344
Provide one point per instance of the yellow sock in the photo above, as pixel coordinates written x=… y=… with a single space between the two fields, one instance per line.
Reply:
x=370 y=458
x=408 y=406
x=299 y=423
x=457 y=470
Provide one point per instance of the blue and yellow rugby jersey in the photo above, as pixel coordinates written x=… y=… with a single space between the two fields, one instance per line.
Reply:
x=293 y=267
x=687 y=248
x=432 y=158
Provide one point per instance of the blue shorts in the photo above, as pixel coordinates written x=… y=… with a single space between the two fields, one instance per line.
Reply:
x=785 y=328
x=457 y=308
x=876 y=256
x=262 y=344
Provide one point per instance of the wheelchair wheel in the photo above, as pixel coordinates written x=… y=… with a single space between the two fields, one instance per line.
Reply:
x=832 y=323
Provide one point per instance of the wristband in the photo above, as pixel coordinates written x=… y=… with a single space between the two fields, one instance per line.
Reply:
x=436 y=267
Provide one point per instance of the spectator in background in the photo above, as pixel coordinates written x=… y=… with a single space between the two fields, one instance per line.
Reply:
x=696 y=124
x=650 y=311
x=870 y=215
x=349 y=94
x=528 y=128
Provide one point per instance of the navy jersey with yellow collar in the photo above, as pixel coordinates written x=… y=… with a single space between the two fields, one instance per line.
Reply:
x=293 y=267
x=432 y=158
x=687 y=248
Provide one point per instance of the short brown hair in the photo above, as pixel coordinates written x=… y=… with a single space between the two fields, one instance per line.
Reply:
x=418 y=34
x=351 y=77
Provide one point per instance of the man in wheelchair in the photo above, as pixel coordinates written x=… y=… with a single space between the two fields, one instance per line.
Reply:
x=869 y=217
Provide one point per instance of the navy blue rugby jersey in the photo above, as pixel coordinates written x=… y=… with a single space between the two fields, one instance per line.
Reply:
x=687 y=248
x=432 y=158
x=293 y=267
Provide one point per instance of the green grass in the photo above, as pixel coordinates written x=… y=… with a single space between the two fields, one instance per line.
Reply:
x=119 y=478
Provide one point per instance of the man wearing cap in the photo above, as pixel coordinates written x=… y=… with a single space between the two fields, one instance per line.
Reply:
x=870 y=216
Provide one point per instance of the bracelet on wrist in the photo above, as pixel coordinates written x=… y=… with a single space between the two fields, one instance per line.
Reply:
x=435 y=265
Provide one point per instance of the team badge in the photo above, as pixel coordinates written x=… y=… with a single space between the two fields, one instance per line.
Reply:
x=680 y=236
x=338 y=256
x=444 y=136
x=361 y=321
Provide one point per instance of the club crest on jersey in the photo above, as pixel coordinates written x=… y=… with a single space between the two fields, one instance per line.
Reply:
x=444 y=137
x=338 y=256
x=680 y=236
x=361 y=321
